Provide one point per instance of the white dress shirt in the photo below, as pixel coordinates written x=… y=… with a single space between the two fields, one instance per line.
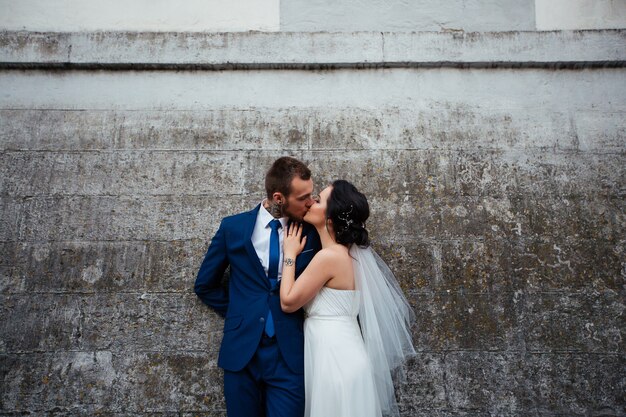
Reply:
x=261 y=238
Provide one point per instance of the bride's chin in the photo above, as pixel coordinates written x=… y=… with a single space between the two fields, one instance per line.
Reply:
x=309 y=219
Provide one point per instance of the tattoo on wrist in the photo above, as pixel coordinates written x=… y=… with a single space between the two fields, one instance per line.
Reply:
x=289 y=262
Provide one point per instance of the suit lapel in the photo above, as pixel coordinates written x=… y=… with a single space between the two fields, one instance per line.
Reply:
x=254 y=258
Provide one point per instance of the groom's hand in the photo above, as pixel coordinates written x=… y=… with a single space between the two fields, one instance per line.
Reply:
x=293 y=243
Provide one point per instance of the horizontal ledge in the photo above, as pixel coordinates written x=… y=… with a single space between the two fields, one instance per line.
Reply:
x=67 y=66
x=311 y=51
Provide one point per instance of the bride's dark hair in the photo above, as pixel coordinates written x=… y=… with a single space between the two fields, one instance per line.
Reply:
x=348 y=209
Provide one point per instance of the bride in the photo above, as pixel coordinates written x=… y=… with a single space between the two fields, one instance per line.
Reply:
x=348 y=363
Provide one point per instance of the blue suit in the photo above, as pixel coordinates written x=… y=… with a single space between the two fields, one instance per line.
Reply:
x=244 y=304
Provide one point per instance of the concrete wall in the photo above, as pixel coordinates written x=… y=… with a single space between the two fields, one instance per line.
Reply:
x=494 y=164
x=403 y=15
x=580 y=14
x=140 y=15
x=311 y=15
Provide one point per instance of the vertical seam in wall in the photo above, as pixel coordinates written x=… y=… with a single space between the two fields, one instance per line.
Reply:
x=444 y=378
x=309 y=137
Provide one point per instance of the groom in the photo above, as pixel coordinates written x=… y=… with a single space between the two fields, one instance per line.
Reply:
x=262 y=351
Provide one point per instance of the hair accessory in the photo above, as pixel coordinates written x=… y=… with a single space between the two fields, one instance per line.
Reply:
x=345 y=216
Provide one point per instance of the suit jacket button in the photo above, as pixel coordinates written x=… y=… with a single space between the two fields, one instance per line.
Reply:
x=262 y=319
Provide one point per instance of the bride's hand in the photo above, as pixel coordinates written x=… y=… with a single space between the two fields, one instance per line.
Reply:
x=293 y=243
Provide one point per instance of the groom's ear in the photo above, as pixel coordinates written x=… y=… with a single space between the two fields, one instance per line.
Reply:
x=278 y=198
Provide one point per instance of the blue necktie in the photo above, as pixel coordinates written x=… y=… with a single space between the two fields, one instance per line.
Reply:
x=272 y=269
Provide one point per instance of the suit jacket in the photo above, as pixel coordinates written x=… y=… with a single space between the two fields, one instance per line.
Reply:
x=245 y=302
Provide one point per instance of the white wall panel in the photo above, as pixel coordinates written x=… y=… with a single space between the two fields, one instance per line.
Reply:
x=140 y=15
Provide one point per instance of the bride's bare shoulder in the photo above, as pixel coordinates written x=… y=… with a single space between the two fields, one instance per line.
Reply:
x=335 y=253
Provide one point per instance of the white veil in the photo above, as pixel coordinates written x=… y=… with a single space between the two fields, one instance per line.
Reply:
x=385 y=317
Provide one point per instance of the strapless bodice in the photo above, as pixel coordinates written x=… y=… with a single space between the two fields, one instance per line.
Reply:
x=333 y=302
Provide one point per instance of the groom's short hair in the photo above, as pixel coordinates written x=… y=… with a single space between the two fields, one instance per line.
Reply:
x=282 y=172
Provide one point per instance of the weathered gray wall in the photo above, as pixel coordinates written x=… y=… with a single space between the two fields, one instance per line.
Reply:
x=494 y=164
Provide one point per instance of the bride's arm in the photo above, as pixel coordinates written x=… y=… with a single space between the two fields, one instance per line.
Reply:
x=294 y=294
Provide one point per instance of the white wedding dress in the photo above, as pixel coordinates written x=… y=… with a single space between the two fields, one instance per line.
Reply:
x=348 y=364
x=337 y=371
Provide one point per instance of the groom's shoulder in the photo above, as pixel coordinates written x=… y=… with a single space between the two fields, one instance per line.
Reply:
x=309 y=229
x=313 y=238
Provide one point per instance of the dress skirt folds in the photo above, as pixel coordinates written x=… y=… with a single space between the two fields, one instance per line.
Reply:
x=338 y=375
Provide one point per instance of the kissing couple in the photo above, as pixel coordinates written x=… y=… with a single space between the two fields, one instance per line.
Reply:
x=315 y=322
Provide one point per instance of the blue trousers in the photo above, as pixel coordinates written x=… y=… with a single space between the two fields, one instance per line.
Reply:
x=266 y=387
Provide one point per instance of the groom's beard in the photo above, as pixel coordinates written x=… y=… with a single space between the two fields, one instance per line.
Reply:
x=286 y=212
